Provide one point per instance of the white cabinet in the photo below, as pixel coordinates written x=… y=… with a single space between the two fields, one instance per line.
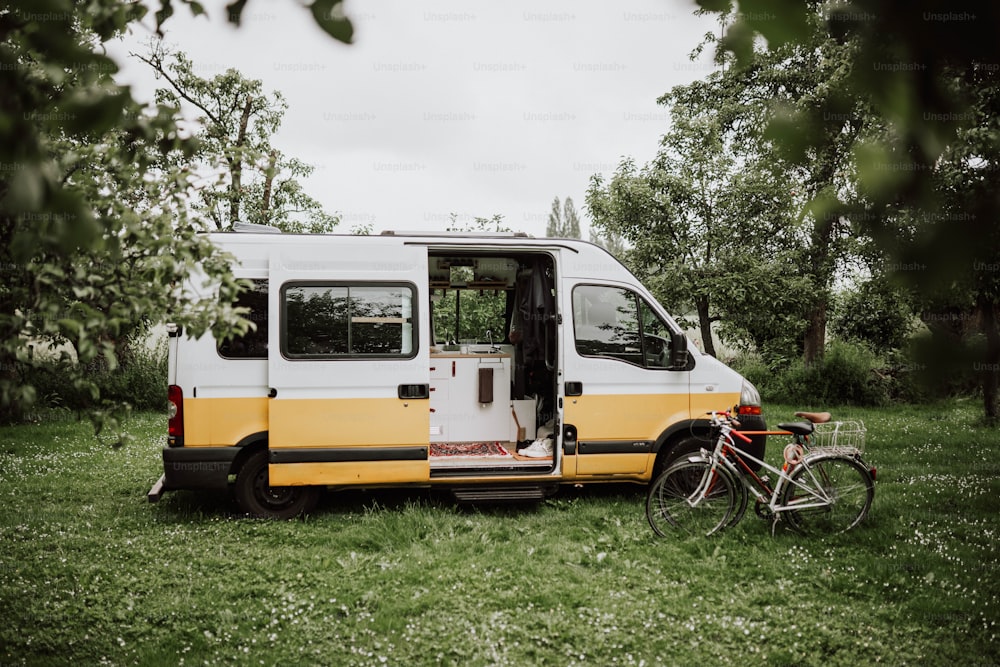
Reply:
x=457 y=414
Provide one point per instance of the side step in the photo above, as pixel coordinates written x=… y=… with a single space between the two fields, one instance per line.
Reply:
x=495 y=494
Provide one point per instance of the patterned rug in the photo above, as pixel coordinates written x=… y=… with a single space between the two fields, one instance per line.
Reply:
x=468 y=449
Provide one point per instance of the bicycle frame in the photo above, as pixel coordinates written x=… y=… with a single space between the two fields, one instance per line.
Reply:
x=726 y=453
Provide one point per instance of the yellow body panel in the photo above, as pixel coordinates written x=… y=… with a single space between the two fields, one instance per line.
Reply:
x=220 y=422
x=625 y=416
x=324 y=422
x=348 y=473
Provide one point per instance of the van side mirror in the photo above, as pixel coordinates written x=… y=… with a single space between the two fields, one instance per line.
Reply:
x=678 y=351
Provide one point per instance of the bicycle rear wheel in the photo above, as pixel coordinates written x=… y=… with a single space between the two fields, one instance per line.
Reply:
x=689 y=497
x=837 y=496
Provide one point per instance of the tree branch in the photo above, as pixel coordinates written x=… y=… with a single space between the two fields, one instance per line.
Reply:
x=157 y=65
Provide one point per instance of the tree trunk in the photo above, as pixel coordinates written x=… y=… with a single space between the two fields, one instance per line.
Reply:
x=265 y=204
x=815 y=339
x=236 y=165
x=991 y=365
x=706 y=326
x=814 y=343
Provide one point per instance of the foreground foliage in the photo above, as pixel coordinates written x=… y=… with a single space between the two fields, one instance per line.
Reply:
x=92 y=574
x=96 y=236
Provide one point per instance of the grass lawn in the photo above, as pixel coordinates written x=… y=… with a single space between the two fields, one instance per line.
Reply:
x=90 y=573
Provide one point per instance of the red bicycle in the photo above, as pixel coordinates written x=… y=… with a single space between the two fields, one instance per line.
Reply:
x=823 y=486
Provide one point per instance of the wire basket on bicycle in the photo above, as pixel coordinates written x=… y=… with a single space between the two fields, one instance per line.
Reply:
x=846 y=437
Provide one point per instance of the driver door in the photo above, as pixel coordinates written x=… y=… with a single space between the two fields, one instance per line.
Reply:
x=620 y=393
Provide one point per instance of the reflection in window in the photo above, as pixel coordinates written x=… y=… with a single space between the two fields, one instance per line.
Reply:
x=606 y=322
x=348 y=320
x=253 y=344
x=614 y=322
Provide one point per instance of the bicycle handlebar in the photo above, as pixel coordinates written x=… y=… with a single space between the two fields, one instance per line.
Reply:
x=726 y=418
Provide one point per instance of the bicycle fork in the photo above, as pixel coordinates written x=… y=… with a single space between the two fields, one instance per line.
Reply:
x=704 y=486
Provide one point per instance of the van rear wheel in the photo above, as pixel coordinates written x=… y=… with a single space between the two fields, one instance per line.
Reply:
x=256 y=497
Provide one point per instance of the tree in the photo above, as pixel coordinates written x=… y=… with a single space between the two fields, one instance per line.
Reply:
x=721 y=175
x=246 y=178
x=782 y=90
x=929 y=74
x=90 y=244
x=700 y=222
x=564 y=222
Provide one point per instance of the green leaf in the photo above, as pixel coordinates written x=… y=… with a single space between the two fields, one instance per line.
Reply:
x=234 y=11
x=778 y=21
x=93 y=109
x=27 y=189
x=165 y=12
x=329 y=14
x=739 y=39
x=197 y=9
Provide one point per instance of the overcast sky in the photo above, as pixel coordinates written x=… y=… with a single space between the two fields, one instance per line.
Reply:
x=471 y=107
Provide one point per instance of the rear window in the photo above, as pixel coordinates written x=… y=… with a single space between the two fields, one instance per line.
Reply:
x=253 y=345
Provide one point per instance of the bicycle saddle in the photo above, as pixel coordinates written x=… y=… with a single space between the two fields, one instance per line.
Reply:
x=798 y=428
x=815 y=417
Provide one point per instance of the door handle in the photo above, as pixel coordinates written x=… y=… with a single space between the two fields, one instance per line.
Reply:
x=414 y=391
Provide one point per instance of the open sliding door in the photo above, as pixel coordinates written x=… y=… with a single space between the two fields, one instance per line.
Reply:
x=348 y=363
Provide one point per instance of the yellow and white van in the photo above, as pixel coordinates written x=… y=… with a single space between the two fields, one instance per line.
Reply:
x=498 y=366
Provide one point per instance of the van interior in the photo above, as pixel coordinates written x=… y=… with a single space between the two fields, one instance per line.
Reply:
x=493 y=362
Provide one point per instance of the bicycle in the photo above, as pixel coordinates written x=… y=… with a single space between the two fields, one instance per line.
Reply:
x=823 y=486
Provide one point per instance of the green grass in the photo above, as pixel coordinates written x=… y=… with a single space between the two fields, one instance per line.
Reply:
x=92 y=574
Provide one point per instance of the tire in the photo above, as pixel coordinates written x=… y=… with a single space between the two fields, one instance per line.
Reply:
x=844 y=480
x=693 y=445
x=740 y=501
x=668 y=510
x=255 y=497
x=688 y=446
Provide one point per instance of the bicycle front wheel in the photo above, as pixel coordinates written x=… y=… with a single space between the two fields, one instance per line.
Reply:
x=691 y=498
x=828 y=494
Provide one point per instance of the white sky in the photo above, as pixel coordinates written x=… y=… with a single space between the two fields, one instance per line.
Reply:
x=471 y=107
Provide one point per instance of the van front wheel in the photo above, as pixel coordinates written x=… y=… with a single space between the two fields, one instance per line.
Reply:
x=257 y=498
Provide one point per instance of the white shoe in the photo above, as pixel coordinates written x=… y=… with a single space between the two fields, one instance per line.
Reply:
x=538 y=449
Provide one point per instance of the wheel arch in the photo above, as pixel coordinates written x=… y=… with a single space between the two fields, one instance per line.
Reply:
x=248 y=446
x=676 y=433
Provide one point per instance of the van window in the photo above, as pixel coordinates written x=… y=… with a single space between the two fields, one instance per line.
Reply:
x=617 y=323
x=466 y=315
x=252 y=345
x=337 y=320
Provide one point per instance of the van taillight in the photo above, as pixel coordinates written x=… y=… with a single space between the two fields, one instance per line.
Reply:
x=748 y=410
x=175 y=416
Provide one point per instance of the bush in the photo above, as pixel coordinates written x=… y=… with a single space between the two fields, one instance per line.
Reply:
x=849 y=373
x=140 y=380
x=876 y=314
